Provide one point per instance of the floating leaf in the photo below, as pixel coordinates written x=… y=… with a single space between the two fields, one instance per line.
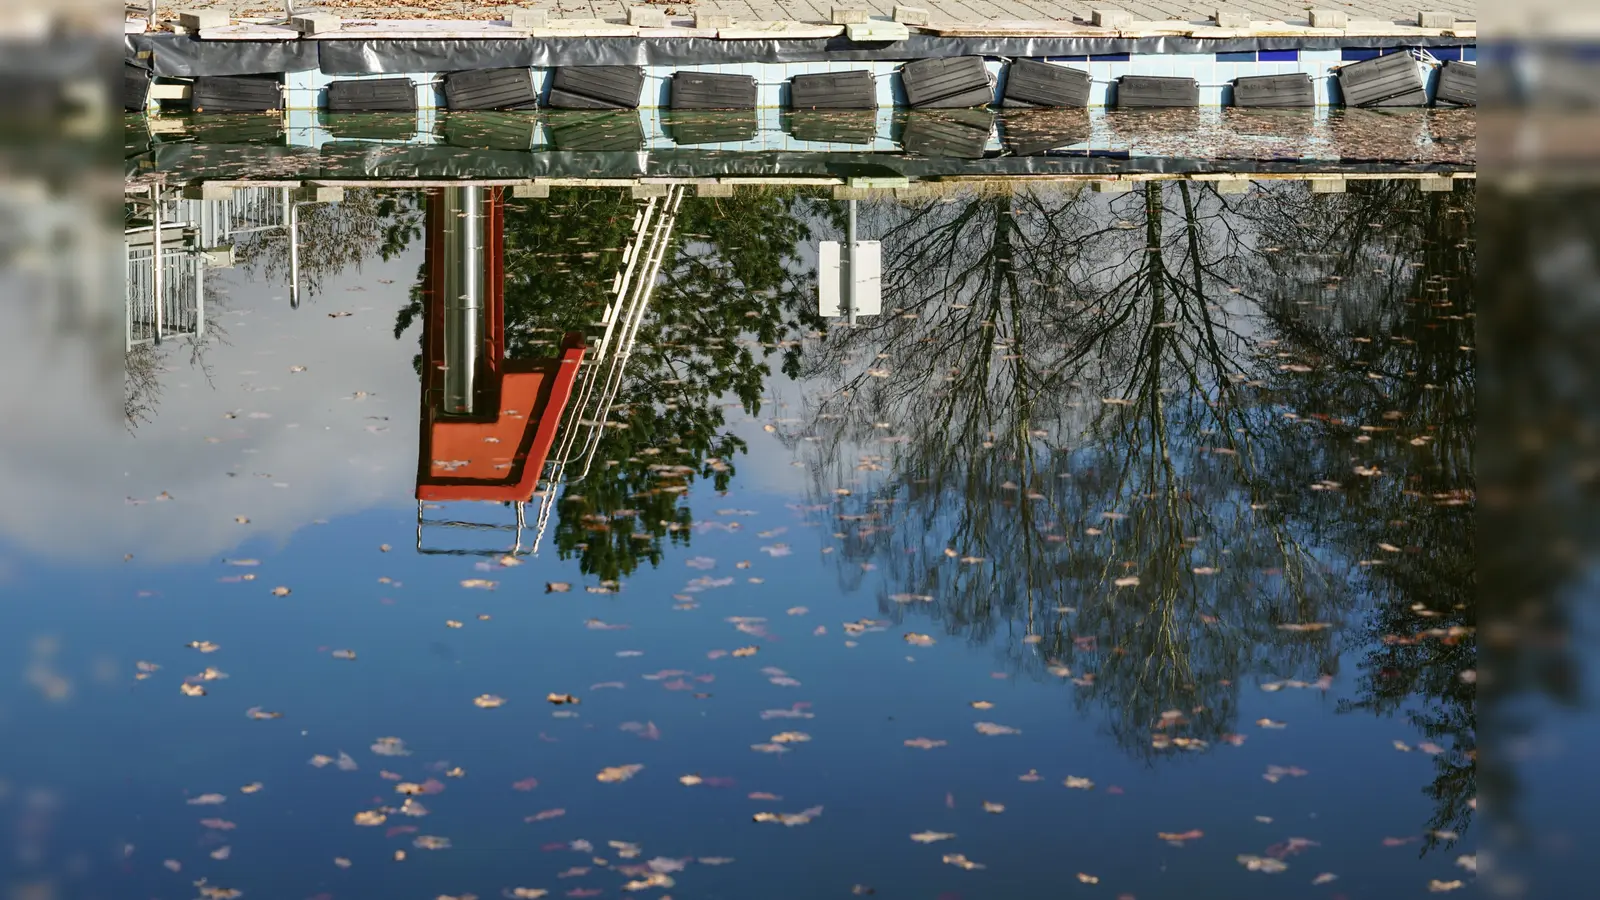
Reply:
x=993 y=729
x=370 y=818
x=613 y=774
x=1261 y=863
x=957 y=859
x=923 y=743
x=488 y=701
x=789 y=819
x=929 y=837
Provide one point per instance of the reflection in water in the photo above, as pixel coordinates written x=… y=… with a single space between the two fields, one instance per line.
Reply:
x=1162 y=446
x=1177 y=443
x=1175 y=446
x=682 y=300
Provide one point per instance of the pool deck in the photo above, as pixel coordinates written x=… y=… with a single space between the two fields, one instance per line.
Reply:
x=817 y=11
x=609 y=18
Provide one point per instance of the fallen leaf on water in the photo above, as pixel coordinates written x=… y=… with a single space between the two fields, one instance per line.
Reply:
x=218 y=824
x=192 y=690
x=791 y=737
x=992 y=728
x=452 y=623
x=256 y=712
x=1324 y=878
x=207 y=800
x=1082 y=784
x=251 y=788
x=995 y=808
x=557 y=587
x=923 y=743
x=1268 y=723
x=482 y=583
x=745 y=651
x=546 y=814
x=1261 y=863
x=690 y=780
x=789 y=819
x=281 y=591
x=1436 y=886
x=1179 y=837
x=526 y=784
x=203 y=646
x=522 y=893
x=370 y=818
x=928 y=837
x=561 y=699
x=344 y=654
x=612 y=774
x=919 y=640
x=390 y=746
x=1030 y=775
x=957 y=859
x=1088 y=879
x=1469 y=862
x=431 y=842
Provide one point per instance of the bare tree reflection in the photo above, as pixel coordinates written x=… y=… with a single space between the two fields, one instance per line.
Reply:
x=336 y=236
x=1123 y=431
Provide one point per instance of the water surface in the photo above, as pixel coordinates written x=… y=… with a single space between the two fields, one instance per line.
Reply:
x=1126 y=550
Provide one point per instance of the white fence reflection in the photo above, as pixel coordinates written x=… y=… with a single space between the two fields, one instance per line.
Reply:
x=167 y=300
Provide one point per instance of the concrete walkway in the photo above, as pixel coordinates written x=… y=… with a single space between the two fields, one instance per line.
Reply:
x=818 y=10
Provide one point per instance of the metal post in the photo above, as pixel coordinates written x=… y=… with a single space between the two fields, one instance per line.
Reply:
x=294 y=255
x=150 y=16
x=848 y=265
x=158 y=278
x=463 y=261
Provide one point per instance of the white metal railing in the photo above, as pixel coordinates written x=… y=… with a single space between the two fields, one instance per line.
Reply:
x=174 y=308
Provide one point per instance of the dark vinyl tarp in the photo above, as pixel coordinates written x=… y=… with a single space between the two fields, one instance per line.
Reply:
x=184 y=56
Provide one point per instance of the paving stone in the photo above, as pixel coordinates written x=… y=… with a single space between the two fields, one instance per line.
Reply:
x=911 y=15
x=646 y=17
x=194 y=20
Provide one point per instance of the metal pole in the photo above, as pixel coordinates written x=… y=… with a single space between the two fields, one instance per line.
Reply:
x=463 y=261
x=849 y=266
x=294 y=255
x=150 y=16
x=158 y=280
